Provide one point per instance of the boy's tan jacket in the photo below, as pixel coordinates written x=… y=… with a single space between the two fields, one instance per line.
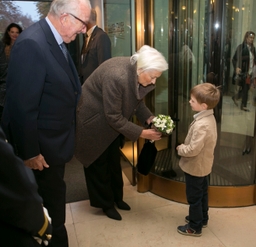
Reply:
x=197 y=152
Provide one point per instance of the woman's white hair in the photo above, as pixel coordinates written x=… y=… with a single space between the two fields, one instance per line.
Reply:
x=148 y=58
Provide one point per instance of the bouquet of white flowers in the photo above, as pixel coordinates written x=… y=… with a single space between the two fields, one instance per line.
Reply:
x=163 y=124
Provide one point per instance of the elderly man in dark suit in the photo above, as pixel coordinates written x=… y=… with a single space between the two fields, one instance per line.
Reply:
x=110 y=97
x=22 y=218
x=96 y=48
x=43 y=89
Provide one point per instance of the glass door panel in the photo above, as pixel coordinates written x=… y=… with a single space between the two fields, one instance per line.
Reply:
x=235 y=162
x=118 y=26
x=200 y=38
x=118 y=16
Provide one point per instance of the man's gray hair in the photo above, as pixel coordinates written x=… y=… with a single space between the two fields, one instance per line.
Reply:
x=59 y=7
x=148 y=58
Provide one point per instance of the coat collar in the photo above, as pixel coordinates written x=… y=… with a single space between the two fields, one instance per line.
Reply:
x=202 y=115
x=58 y=54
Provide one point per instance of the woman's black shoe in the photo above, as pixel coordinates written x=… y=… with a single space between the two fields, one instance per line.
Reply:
x=248 y=150
x=112 y=213
x=123 y=205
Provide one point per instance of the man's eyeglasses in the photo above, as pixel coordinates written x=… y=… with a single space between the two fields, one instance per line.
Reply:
x=84 y=24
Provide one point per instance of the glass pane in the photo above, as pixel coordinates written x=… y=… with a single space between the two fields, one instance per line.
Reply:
x=203 y=38
x=161 y=12
x=180 y=22
x=235 y=163
x=24 y=13
x=161 y=92
x=118 y=26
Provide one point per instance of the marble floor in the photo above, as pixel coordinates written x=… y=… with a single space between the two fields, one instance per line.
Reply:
x=153 y=221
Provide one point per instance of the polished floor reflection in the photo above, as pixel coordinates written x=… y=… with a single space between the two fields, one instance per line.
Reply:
x=152 y=222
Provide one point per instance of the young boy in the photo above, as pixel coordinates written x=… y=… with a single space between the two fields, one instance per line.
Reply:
x=197 y=155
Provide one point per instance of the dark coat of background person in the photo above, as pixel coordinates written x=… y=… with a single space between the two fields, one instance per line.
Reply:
x=97 y=51
x=3 y=74
x=21 y=211
x=241 y=59
x=39 y=113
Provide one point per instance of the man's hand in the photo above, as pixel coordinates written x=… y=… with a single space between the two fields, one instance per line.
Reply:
x=36 y=163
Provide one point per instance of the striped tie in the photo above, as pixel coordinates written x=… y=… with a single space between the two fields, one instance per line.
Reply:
x=64 y=50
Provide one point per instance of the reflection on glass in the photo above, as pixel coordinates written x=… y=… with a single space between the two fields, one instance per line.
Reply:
x=118 y=27
x=201 y=48
x=24 y=13
x=235 y=164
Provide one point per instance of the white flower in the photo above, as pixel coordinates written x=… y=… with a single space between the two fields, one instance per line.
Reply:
x=163 y=123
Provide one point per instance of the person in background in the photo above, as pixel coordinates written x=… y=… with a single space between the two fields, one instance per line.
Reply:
x=243 y=61
x=10 y=35
x=3 y=74
x=197 y=154
x=104 y=116
x=23 y=220
x=43 y=89
x=96 y=48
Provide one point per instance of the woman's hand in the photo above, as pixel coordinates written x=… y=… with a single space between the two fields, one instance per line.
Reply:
x=151 y=134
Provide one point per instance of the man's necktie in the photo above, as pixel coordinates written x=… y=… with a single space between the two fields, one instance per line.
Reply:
x=64 y=50
x=85 y=43
x=84 y=47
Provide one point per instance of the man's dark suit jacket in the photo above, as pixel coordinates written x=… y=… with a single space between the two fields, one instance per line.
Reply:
x=42 y=95
x=21 y=212
x=97 y=51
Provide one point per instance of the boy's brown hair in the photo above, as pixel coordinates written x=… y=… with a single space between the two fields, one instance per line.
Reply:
x=206 y=93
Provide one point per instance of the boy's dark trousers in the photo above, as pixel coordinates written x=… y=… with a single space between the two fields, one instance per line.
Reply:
x=197 y=197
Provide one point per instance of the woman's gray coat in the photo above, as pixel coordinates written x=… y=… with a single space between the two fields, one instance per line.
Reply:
x=110 y=97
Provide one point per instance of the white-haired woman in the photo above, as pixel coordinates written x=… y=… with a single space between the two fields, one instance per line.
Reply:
x=110 y=97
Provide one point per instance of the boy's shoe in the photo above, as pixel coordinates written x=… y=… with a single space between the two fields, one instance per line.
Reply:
x=186 y=230
x=204 y=223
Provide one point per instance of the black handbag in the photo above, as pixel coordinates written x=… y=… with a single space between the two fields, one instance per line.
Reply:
x=146 y=158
